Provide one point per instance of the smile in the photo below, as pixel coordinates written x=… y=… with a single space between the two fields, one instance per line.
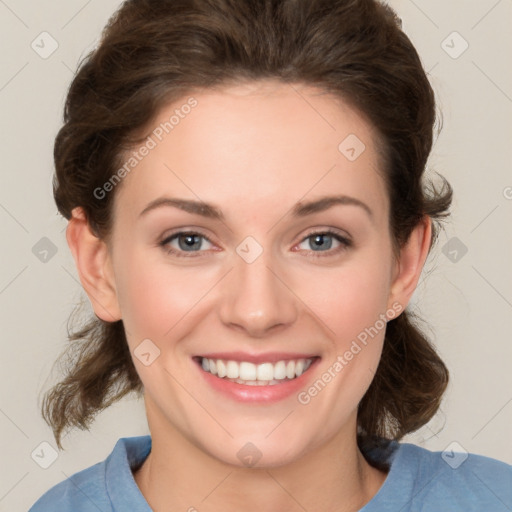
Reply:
x=251 y=374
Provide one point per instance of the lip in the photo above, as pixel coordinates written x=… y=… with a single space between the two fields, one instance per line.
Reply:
x=257 y=394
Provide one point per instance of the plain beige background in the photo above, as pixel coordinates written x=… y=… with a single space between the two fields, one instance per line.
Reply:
x=466 y=297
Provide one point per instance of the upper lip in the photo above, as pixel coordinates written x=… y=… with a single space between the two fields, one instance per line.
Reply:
x=268 y=357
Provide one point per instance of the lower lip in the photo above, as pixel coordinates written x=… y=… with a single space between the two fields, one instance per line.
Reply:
x=262 y=394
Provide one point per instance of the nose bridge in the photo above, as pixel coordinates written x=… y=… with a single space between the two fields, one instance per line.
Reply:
x=257 y=300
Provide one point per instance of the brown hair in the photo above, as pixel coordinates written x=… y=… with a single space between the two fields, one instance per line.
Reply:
x=156 y=51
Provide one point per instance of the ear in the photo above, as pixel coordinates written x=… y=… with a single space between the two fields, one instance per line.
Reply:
x=92 y=261
x=410 y=264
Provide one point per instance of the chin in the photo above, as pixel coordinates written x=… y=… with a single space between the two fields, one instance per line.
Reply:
x=257 y=451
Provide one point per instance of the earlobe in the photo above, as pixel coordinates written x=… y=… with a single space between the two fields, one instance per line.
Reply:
x=412 y=258
x=92 y=261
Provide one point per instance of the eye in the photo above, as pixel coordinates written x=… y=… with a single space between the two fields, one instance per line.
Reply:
x=184 y=242
x=322 y=242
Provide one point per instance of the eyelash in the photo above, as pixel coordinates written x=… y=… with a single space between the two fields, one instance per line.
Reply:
x=345 y=244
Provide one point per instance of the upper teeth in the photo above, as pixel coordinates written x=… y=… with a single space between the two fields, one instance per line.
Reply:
x=263 y=372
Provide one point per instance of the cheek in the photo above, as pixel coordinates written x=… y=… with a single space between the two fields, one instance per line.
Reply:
x=157 y=299
x=351 y=304
x=349 y=299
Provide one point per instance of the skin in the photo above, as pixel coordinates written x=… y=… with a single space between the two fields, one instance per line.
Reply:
x=253 y=150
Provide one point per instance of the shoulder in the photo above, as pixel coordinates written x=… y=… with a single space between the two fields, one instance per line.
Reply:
x=102 y=485
x=82 y=492
x=457 y=479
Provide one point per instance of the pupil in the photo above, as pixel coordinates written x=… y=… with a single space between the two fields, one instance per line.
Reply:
x=319 y=239
x=191 y=241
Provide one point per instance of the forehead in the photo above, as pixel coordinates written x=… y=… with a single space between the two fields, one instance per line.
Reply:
x=263 y=144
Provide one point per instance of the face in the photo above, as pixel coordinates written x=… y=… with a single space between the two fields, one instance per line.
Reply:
x=271 y=283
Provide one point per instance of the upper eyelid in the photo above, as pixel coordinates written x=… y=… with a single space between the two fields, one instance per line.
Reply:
x=185 y=232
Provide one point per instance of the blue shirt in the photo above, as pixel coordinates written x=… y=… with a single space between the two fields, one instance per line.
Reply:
x=418 y=481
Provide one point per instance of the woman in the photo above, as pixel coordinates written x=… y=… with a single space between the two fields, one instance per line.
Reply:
x=244 y=187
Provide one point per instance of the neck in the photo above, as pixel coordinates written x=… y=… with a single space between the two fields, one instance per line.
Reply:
x=178 y=475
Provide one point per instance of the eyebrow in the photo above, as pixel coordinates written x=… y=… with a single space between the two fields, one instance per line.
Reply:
x=300 y=209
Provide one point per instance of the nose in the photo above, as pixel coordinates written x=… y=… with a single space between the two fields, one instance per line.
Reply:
x=256 y=298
